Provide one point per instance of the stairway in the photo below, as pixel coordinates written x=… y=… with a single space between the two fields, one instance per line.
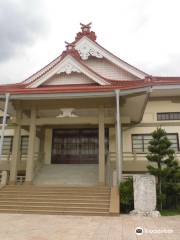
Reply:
x=76 y=175
x=55 y=200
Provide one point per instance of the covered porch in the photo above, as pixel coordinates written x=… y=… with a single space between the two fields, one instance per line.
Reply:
x=63 y=128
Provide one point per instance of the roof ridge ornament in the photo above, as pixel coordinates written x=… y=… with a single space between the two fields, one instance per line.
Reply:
x=86 y=27
x=85 y=32
x=70 y=50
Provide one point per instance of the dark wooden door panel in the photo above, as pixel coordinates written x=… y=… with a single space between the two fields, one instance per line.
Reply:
x=75 y=146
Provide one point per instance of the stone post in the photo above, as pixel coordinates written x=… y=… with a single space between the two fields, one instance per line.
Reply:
x=144 y=195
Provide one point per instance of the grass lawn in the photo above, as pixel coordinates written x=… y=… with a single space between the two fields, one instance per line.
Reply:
x=170 y=212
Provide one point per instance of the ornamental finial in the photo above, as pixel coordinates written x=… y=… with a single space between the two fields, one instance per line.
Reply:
x=86 y=27
x=70 y=50
x=69 y=46
x=86 y=31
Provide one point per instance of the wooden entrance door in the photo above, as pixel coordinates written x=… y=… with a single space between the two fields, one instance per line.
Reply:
x=78 y=146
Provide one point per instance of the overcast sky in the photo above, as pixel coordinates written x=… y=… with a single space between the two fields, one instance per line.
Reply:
x=145 y=33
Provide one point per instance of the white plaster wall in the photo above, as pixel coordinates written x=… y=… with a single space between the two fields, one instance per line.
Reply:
x=148 y=124
x=154 y=106
x=10 y=132
x=1 y=113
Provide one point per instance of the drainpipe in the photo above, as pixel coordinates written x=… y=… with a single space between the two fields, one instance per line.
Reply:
x=118 y=138
x=7 y=96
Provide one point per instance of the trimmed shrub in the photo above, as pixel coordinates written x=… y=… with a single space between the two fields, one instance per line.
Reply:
x=126 y=196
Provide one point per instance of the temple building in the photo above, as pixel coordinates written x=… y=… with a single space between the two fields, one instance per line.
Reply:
x=84 y=120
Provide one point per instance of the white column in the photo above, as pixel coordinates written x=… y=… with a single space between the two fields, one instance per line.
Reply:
x=15 y=153
x=101 y=146
x=31 y=148
x=48 y=146
x=118 y=139
x=4 y=123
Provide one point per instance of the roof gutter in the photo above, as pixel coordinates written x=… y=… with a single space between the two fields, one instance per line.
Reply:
x=42 y=96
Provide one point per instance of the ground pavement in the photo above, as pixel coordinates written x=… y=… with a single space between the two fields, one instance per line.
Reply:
x=53 y=227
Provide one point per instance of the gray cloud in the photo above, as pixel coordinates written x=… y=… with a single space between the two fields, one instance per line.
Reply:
x=170 y=68
x=20 y=25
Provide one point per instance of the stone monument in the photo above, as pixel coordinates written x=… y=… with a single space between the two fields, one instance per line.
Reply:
x=144 y=195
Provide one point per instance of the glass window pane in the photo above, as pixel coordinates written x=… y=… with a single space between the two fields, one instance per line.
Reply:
x=168 y=116
x=7 y=145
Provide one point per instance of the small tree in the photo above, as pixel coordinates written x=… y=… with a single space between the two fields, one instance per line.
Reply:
x=162 y=156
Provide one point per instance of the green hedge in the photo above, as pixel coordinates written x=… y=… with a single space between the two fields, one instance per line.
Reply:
x=126 y=196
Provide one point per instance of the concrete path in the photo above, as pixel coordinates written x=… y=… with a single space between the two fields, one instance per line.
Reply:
x=43 y=227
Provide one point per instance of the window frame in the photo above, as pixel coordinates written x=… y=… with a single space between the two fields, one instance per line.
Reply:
x=24 y=136
x=148 y=134
x=11 y=144
x=160 y=114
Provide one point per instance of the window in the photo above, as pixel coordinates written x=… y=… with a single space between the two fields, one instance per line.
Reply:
x=8 y=142
x=168 y=116
x=140 y=142
x=24 y=144
x=1 y=119
x=7 y=145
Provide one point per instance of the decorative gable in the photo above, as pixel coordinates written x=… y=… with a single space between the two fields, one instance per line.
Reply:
x=73 y=78
x=69 y=65
x=109 y=70
x=87 y=58
x=87 y=49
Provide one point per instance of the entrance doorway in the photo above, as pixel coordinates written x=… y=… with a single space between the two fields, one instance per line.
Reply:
x=76 y=146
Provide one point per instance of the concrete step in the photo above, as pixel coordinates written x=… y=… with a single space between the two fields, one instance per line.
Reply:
x=54 y=204
x=79 y=213
x=56 y=192
x=55 y=200
x=55 y=196
x=56 y=187
x=54 y=208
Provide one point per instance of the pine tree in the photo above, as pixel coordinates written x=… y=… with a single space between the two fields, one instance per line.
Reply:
x=164 y=166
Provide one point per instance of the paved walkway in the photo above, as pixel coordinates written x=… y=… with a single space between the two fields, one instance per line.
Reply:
x=44 y=227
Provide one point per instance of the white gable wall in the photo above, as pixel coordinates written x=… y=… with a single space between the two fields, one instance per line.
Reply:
x=66 y=79
x=108 y=70
x=87 y=48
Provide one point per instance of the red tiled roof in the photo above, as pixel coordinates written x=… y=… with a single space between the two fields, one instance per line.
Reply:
x=91 y=35
x=164 y=79
x=115 y=84
x=22 y=88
